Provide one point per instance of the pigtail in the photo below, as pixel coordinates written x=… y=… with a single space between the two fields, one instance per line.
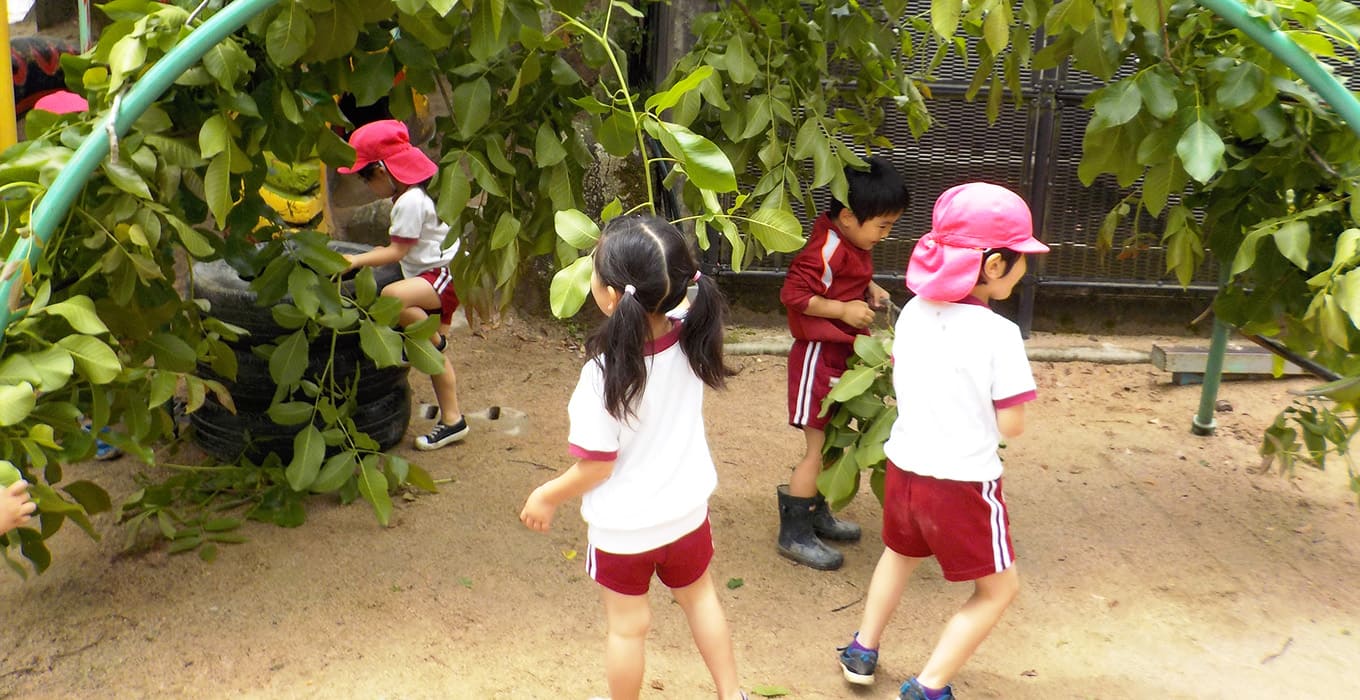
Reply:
x=618 y=348
x=701 y=336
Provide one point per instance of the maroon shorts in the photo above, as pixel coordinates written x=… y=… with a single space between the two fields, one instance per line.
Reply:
x=814 y=366
x=963 y=524
x=677 y=564
x=442 y=282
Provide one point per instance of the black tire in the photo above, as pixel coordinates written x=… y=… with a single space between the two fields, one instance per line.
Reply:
x=231 y=299
x=251 y=435
x=254 y=389
x=35 y=63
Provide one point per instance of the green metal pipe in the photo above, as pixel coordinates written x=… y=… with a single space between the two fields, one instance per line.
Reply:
x=1284 y=48
x=1204 y=422
x=52 y=208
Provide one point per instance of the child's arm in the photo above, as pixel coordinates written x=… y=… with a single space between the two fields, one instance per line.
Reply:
x=1010 y=421
x=856 y=313
x=580 y=478
x=382 y=255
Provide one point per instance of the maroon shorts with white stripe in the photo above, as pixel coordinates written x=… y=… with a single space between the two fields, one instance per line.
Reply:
x=963 y=524
x=442 y=282
x=677 y=564
x=814 y=366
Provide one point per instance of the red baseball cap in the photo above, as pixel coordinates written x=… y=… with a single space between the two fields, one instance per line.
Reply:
x=968 y=219
x=62 y=102
x=387 y=141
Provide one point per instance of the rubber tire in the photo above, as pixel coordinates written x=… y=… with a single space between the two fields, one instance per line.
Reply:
x=232 y=300
x=253 y=388
x=229 y=437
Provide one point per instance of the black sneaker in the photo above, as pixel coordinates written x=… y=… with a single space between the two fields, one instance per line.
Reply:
x=442 y=435
x=858 y=664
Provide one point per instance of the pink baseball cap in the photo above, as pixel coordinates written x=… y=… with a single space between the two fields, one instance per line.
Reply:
x=62 y=102
x=388 y=142
x=968 y=219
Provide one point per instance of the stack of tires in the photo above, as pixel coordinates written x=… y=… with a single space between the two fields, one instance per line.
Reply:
x=383 y=394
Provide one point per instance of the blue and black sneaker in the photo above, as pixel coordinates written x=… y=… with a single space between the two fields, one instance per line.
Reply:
x=913 y=690
x=858 y=662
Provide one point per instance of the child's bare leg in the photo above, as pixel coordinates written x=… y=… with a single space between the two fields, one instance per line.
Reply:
x=969 y=626
x=416 y=296
x=446 y=394
x=885 y=592
x=708 y=625
x=803 y=483
x=628 y=618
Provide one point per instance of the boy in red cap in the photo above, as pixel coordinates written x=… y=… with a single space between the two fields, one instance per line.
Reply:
x=962 y=380
x=392 y=167
x=830 y=296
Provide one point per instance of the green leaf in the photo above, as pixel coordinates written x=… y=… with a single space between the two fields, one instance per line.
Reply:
x=996 y=28
x=1201 y=150
x=337 y=470
x=852 y=383
x=839 y=482
x=1240 y=85
x=1074 y=14
x=217 y=188
x=417 y=477
x=663 y=101
x=944 y=16
x=47 y=370
x=777 y=229
x=420 y=351
x=871 y=350
x=472 y=106
x=705 y=164
x=570 y=286
x=365 y=287
x=95 y=360
x=380 y=343
x=16 y=402
x=1119 y=103
x=90 y=496
x=172 y=353
x=617 y=134
x=1159 y=94
x=1157 y=186
x=507 y=226
x=735 y=583
x=291 y=412
x=1292 y=240
x=289 y=35
x=126 y=179
x=308 y=450
x=548 y=150
x=1347 y=293
x=373 y=487
x=741 y=69
x=289 y=360
x=127 y=56
x=454 y=192
x=79 y=312
x=1246 y=251
x=576 y=229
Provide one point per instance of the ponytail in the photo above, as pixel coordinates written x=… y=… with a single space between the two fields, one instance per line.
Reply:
x=701 y=336
x=618 y=347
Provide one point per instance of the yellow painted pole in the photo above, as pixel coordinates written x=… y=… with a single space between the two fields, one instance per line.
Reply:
x=9 y=131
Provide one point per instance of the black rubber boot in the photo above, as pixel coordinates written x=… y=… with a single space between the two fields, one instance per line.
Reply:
x=827 y=527
x=797 y=540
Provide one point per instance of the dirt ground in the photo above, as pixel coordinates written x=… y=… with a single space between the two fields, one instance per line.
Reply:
x=1153 y=564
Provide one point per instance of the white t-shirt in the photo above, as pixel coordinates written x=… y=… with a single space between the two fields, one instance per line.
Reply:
x=663 y=471
x=954 y=365
x=415 y=221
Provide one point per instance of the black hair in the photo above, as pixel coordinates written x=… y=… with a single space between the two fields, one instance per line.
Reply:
x=1008 y=256
x=370 y=171
x=878 y=191
x=658 y=261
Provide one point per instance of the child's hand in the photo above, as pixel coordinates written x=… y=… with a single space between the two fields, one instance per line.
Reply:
x=538 y=511
x=349 y=259
x=857 y=313
x=16 y=508
x=878 y=296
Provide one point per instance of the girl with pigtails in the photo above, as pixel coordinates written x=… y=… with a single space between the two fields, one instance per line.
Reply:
x=643 y=467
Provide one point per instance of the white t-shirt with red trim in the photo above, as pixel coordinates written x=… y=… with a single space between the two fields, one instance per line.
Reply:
x=954 y=365
x=663 y=471
x=415 y=222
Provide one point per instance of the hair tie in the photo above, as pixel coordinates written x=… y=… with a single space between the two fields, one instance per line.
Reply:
x=697 y=275
x=629 y=289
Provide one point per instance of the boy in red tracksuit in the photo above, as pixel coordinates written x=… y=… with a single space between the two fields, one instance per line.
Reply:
x=830 y=296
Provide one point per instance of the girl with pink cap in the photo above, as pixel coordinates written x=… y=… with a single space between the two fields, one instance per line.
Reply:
x=392 y=167
x=962 y=380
